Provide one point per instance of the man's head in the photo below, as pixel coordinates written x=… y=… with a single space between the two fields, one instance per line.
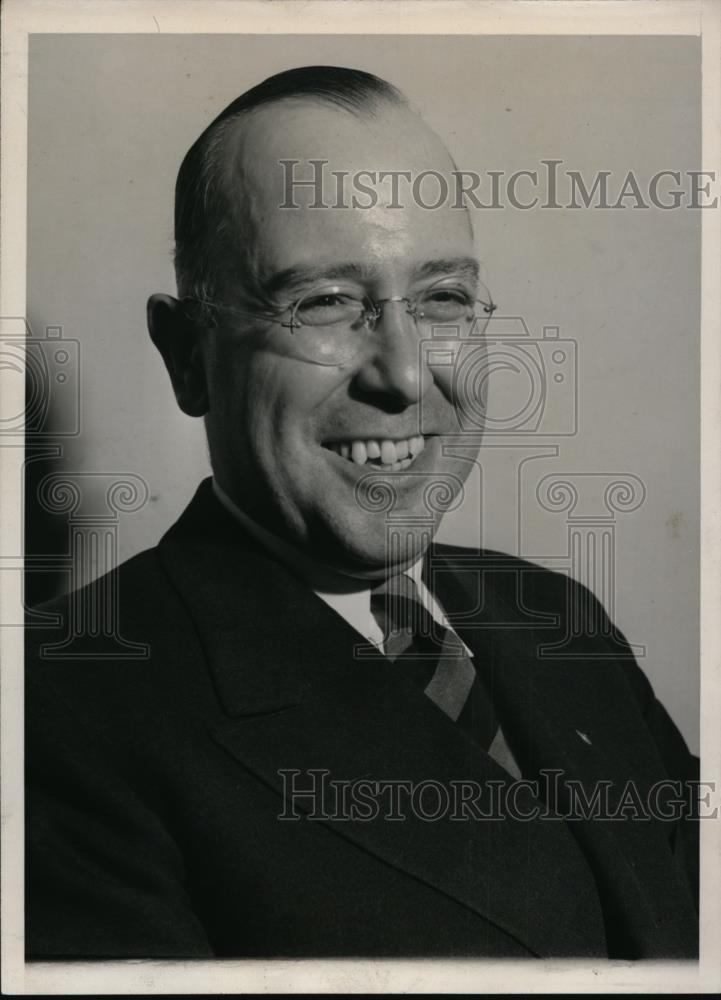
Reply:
x=293 y=422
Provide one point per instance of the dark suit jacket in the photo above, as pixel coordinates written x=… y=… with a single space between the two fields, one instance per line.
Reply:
x=154 y=785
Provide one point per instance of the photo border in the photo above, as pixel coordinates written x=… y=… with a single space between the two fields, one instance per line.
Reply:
x=20 y=18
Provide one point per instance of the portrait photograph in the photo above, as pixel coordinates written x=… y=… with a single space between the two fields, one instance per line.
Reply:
x=360 y=460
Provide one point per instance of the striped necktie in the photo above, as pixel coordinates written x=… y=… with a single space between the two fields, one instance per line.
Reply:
x=432 y=656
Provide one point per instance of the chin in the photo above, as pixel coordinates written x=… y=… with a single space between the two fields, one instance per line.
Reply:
x=369 y=547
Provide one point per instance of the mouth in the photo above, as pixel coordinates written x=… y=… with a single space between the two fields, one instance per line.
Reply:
x=386 y=455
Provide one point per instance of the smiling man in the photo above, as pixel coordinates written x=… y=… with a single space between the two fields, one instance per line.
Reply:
x=337 y=741
x=295 y=414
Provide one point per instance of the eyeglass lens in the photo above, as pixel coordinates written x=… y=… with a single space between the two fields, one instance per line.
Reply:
x=330 y=325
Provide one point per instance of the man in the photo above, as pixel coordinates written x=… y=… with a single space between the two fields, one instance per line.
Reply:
x=309 y=648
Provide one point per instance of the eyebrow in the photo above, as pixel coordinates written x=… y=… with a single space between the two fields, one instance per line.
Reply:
x=294 y=277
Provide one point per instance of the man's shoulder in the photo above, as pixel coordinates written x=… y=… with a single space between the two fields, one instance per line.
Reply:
x=490 y=557
x=507 y=572
x=131 y=581
x=117 y=658
x=113 y=621
x=558 y=609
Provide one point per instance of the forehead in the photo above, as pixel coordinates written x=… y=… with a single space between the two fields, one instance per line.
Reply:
x=341 y=154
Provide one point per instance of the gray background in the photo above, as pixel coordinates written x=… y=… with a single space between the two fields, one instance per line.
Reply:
x=110 y=119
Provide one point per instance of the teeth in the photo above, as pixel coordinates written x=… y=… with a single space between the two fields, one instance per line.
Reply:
x=416 y=445
x=387 y=455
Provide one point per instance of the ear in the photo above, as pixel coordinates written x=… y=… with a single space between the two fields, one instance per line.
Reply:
x=178 y=340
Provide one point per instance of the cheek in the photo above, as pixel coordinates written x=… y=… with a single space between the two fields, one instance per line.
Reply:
x=270 y=402
x=460 y=372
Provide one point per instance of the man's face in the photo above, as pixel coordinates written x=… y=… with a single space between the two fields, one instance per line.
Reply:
x=288 y=437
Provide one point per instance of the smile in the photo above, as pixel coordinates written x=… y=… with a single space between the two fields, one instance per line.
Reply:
x=385 y=455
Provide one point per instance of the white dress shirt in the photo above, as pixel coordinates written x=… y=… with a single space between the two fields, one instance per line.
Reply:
x=349 y=597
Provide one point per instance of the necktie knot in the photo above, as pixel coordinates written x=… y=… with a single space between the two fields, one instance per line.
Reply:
x=400 y=614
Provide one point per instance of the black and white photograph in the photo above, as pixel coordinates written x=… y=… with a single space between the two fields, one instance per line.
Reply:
x=359 y=439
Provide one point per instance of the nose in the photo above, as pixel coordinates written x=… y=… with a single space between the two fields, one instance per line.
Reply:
x=394 y=366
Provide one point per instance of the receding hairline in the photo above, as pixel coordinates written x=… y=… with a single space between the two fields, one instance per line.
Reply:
x=227 y=145
x=230 y=130
x=199 y=188
x=204 y=213
x=225 y=162
x=358 y=93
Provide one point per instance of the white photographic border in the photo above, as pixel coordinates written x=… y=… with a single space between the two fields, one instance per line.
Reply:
x=21 y=18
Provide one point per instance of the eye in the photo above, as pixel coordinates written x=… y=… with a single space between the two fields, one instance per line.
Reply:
x=448 y=295
x=447 y=302
x=328 y=308
x=330 y=301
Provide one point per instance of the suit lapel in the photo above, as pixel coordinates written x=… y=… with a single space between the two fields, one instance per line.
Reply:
x=296 y=698
x=579 y=718
x=366 y=727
